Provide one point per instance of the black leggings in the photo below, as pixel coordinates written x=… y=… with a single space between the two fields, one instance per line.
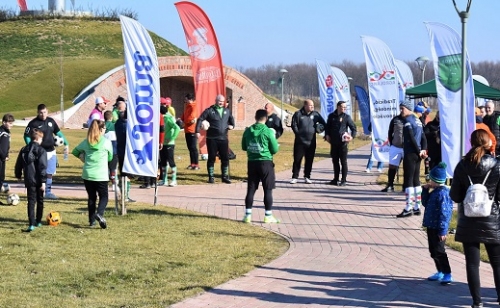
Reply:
x=472 y=261
x=411 y=169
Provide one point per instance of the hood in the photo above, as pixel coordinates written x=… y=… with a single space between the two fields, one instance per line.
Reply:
x=98 y=144
x=486 y=164
x=27 y=153
x=258 y=129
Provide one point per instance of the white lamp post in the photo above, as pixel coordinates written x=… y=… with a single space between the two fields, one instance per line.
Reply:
x=422 y=62
x=282 y=72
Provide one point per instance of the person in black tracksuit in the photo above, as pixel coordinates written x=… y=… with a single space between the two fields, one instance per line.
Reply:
x=32 y=161
x=221 y=120
x=304 y=123
x=7 y=123
x=492 y=118
x=273 y=121
x=336 y=127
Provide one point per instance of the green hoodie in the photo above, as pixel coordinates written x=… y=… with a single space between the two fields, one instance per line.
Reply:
x=95 y=167
x=259 y=142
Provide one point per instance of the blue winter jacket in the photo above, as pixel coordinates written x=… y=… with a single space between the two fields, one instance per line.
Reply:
x=438 y=208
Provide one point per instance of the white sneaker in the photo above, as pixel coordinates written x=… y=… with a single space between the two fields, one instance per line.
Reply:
x=293 y=181
x=50 y=195
x=161 y=183
x=367 y=170
x=308 y=180
x=379 y=170
x=172 y=183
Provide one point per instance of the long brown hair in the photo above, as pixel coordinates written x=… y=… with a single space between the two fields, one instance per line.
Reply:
x=480 y=142
x=94 y=133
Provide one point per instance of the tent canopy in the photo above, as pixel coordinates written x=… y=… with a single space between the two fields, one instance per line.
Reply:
x=428 y=89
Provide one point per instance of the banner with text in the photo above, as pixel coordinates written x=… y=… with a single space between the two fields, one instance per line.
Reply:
x=342 y=90
x=363 y=107
x=383 y=93
x=326 y=88
x=405 y=78
x=206 y=60
x=143 y=106
x=446 y=49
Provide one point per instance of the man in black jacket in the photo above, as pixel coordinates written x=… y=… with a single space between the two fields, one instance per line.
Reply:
x=220 y=120
x=7 y=123
x=338 y=136
x=273 y=121
x=492 y=119
x=305 y=123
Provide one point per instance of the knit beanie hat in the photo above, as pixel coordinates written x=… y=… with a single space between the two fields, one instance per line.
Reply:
x=438 y=173
x=419 y=109
x=408 y=104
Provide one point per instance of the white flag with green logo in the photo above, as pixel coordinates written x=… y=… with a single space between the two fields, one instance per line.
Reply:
x=446 y=49
x=342 y=91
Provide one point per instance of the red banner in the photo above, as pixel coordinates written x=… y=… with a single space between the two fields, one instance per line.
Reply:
x=206 y=60
x=22 y=5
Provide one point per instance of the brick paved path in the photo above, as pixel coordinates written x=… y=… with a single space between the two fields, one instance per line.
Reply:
x=347 y=249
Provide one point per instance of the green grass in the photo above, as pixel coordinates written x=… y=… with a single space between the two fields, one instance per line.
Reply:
x=152 y=257
x=31 y=52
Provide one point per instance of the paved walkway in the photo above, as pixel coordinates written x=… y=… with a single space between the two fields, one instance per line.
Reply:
x=347 y=249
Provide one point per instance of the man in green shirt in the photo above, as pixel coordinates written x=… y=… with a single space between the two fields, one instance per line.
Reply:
x=259 y=141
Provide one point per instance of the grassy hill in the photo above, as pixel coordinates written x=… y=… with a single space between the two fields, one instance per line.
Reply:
x=33 y=51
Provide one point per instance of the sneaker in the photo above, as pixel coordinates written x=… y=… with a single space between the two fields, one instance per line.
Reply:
x=271 y=219
x=101 y=220
x=293 y=181
x=39 y=225
x=172 y=184
x=162 y=183
x=334 y=182
x=436 y=277
x=92 y=224
x=308 y=180
x=367 y=170
x=477 y=305
x=247 y=218
x=379 y=170
x=405 y=213
x=50 y=195
x=226 y=180
x=190 y=167
x=416 y=212
x=211 y=180
x=129 y=200
x=30 y=228
x=388 y=189
x=145 y=186
x=446 y=280
x=196 y=167
x=343 y=183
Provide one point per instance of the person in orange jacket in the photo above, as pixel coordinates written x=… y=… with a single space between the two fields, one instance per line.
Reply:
x=189 y=117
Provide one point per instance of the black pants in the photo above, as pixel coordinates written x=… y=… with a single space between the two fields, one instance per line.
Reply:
x=215 y=146
x=411 y=169
x=472 y=261
x=438 y=251
x=339 y=154
x=35 y=196
x=112 y=165
x=94 y=189
x=192 y=145
x=2 y=172
x=167 y=156
x=260 y=171
x=299 y=151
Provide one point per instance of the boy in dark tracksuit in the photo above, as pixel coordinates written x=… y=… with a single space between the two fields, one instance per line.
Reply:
x=7 y=123
x=32 y=161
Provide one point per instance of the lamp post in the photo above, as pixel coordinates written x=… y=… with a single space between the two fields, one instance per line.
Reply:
x=422 y=63
x=282 y=72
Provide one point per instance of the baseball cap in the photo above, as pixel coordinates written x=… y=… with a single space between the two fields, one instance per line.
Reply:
x=101 y=99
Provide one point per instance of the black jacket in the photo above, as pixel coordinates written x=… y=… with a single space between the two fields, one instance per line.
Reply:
x=273 y=121
x=218 y=125
x=492 y=122
x=477 y=229
x=304 y=126
x=32 y=161
x=337 y=125
x=4 y=143
x=433 y=136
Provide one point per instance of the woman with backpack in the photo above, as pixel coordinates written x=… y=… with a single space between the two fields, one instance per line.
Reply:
x=475 y=167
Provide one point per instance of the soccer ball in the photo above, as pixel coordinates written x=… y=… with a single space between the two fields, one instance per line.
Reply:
x=13 y=199
x=58 y=141
x=54 y=219
x=205 y=125
x=5 y=188
x=320 y=128
x=204 y=156
x=346 y=137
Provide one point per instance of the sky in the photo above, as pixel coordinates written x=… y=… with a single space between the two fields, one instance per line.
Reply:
x=255 y=33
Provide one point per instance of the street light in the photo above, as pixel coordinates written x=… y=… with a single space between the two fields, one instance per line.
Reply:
x=422 y=62
x=282 y=72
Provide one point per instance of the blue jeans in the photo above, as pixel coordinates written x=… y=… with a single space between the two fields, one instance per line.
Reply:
x=380 y=165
